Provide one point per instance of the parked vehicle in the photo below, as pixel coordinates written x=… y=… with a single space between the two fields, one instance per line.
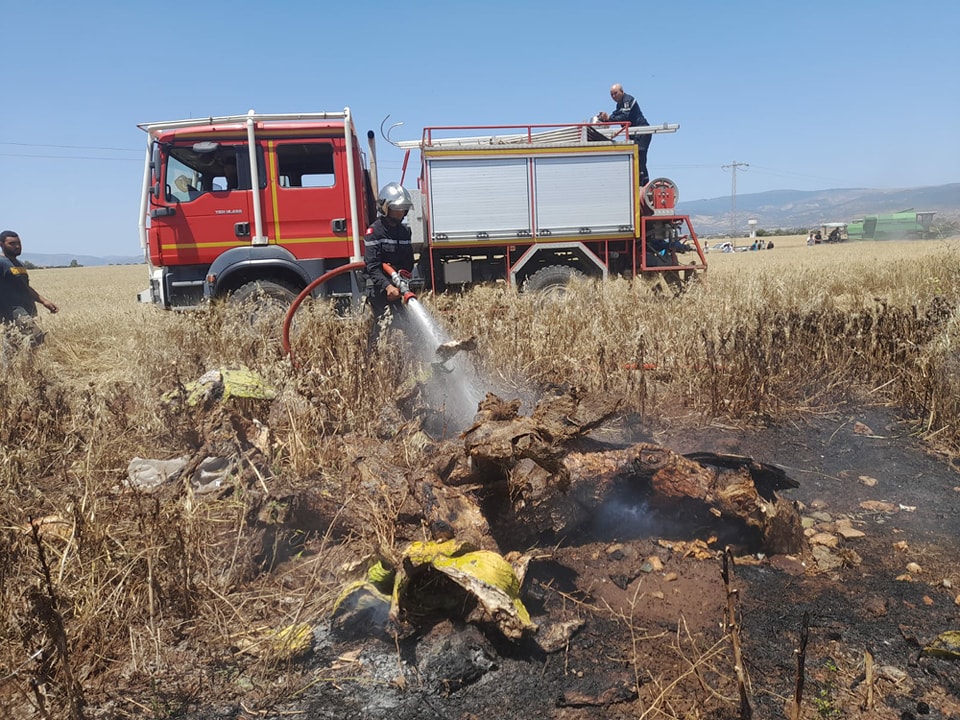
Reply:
x=833 y=232
x=904 y=225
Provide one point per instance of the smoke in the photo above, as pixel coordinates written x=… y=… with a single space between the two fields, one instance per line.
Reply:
x=624 y=515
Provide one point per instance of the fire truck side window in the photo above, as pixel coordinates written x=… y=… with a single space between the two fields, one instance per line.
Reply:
x=191 y=173
x=305 y=165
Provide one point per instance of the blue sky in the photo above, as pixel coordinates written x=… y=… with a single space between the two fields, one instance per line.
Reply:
x=813 y=95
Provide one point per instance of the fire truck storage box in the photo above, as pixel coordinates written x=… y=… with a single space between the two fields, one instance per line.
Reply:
x=458 y=271
x=542 y=191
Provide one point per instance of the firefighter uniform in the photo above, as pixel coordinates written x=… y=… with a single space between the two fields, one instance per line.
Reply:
x=385 y=242
x=627 y=110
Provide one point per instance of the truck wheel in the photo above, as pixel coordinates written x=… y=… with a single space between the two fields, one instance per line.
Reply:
x=266 y=300
x=271 y=291
x=262 y=305
x=553 y=279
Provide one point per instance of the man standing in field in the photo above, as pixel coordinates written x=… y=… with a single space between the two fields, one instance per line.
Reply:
x=627 y=110
x=18 y=301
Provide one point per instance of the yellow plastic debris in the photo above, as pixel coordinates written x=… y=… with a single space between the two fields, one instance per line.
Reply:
x=947 y=645
x=361 y=610
x=485 y=575
x=223 y=383
x=283 y=645
x=244 y=383
x=358 y=595
x=423 y=553
x=380 y=576
x=292 y=642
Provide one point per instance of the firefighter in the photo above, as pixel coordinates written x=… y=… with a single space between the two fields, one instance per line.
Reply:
x=18 y=301
x=387 y=240
x=627 y=110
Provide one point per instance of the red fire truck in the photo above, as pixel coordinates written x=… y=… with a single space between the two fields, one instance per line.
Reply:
x=253 y=203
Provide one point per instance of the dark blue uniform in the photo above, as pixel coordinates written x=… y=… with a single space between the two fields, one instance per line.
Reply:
x=628 y=111
x=385 y=243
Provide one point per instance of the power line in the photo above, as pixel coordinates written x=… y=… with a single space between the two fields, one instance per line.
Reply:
x=69 y=157
x=776 y=172
x=72 y=147
x=733 y=194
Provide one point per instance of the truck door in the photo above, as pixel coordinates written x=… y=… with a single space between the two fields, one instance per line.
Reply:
x=308 y=211
x=205 y=206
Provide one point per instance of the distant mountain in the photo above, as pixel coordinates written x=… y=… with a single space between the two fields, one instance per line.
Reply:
x=64 y=260
x=774 y=209
x=809 y=208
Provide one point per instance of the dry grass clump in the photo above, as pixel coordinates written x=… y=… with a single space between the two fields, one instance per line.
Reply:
x=102 y=586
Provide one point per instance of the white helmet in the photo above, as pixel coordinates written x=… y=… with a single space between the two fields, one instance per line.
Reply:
x=393 y=196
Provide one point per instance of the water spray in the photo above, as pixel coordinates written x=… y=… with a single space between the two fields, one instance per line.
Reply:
x=454 y=387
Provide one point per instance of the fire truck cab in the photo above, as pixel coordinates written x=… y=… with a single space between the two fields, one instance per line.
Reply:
x=251 y=203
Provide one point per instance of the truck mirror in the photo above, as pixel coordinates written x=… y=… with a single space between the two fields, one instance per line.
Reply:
x=206 y=147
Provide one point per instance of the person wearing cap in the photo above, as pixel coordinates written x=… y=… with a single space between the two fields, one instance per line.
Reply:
x=18 y=301
x=627 y=110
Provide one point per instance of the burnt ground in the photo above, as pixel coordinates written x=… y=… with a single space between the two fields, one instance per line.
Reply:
x=639 y=590
x=632 y=605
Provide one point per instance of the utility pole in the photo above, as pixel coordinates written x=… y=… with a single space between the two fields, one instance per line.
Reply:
x=733 y=197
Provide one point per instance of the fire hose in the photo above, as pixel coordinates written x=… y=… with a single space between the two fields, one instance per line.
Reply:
x=401 y=283
x=292 y=310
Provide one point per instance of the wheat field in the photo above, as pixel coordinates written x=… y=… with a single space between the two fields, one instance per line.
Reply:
x=764 y=332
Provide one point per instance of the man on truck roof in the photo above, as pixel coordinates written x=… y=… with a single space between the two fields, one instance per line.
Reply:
x=627 y=110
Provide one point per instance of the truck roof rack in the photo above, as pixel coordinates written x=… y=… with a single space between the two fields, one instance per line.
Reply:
x=153 y=127
x=533 y=134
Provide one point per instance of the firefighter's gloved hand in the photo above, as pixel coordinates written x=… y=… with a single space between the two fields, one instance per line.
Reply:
x=405 y=274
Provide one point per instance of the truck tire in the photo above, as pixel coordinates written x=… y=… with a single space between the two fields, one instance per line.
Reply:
x=272 y=291
x=262 y=305
x=553 y=279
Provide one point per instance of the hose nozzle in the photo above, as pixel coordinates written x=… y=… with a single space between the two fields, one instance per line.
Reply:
x=400 y=282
